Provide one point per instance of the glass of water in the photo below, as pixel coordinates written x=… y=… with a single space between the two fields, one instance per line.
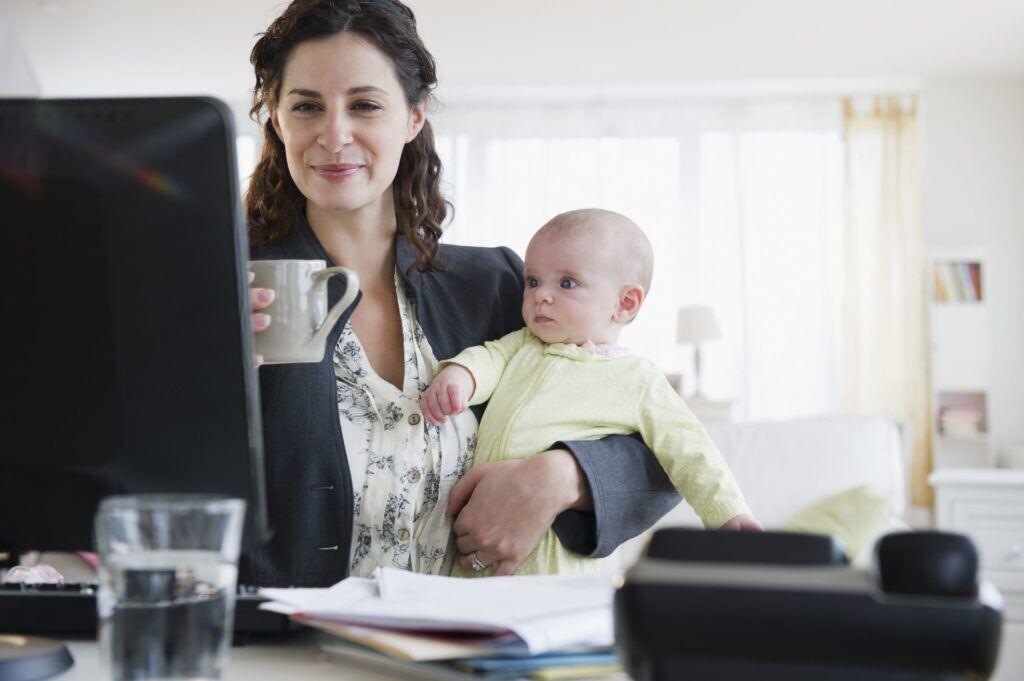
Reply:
x=166 y=599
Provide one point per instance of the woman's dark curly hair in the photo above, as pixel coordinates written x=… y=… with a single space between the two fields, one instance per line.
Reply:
x=273 y=202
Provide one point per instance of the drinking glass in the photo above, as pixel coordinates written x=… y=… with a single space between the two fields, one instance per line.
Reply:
x=166 y=598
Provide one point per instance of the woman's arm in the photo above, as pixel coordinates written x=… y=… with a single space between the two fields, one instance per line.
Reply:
x=629 y=492
x=594 y=494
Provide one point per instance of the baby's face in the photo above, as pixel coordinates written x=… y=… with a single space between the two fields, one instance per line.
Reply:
x=572 y=290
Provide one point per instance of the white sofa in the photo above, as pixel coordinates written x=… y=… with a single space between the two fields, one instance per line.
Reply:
x=783 y=466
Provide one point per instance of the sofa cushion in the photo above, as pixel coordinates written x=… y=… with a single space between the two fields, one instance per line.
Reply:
x=784 y=466
x=853 y=517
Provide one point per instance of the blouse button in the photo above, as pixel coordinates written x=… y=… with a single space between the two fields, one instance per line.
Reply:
x=414 y=419
x=414 y=476
x=403 y=534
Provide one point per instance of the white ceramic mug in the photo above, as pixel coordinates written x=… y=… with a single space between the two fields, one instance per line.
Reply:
x=299 y=319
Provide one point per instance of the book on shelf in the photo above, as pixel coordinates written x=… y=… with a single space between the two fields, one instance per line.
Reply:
x=957 y=281
x=974 y=272
x=961 y=421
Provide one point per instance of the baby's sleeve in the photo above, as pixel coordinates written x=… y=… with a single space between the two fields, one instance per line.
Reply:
x=487 y=362
x=686 y=452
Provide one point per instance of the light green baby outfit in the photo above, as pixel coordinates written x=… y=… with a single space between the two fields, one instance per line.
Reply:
x=541 y=394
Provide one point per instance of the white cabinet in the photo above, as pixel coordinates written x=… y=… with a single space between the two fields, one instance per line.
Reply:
x=988 y=506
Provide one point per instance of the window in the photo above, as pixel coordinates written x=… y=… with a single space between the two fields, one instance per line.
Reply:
x=742 y=203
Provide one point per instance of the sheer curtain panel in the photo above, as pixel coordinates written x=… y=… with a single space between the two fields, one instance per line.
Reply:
x=742 y=201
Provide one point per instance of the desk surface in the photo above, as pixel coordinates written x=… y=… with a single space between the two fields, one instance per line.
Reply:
x=295 y=656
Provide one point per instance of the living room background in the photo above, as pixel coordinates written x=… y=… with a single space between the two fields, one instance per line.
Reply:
x=962 y=59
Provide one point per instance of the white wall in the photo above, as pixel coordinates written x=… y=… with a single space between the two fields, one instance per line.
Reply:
x=121 y=47
x=588 y=42
x=974 y=199
x=16 y=76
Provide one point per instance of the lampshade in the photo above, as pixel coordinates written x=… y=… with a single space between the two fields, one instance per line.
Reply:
x=697 y=324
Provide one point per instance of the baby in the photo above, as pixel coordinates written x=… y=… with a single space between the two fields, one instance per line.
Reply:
x=563 y=377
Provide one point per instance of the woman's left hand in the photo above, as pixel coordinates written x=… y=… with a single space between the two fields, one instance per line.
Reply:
x=503 y=508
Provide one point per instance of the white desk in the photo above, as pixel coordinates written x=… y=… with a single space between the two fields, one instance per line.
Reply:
x=297 y=658
x=294 y=657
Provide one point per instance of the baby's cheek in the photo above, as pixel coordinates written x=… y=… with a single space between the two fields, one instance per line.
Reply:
x=546 y=334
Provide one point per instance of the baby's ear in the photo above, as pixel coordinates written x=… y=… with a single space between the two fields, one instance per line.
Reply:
x=631 y=298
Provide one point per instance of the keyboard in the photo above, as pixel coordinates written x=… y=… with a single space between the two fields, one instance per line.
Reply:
x=70 y=609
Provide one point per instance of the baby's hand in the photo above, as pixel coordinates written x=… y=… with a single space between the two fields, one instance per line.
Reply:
x=449 y=393
x=742 y=522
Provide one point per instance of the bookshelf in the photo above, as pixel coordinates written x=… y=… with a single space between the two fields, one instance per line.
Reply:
x=961 y=359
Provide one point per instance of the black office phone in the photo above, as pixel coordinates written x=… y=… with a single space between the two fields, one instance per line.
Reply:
x=730 y=606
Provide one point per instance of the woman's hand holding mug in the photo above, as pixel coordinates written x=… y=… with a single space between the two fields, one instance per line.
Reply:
x=259 y=298
x=295 y=293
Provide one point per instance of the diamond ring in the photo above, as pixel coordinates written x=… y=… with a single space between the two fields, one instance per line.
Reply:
x=478 y=565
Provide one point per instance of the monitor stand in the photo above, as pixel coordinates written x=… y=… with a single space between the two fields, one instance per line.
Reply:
x=31 y=657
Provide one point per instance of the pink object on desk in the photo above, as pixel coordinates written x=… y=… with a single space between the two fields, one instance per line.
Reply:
x=89 y=557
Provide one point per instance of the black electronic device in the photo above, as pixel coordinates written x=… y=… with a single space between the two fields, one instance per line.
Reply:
x=70 y=610
x=126 y=347
x=759 y=618
x=927 y=563
x=30 y=658
x=760 y=548
x=126 y=344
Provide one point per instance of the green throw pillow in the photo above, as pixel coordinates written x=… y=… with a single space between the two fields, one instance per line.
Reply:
x=853 y=516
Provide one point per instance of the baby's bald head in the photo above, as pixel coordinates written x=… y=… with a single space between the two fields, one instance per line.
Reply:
x=587 y=274
x=610 y=235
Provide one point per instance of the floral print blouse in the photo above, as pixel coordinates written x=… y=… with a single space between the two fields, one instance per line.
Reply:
x=402 y=467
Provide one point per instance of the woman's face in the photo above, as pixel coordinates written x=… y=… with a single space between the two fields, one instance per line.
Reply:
x=344 y=120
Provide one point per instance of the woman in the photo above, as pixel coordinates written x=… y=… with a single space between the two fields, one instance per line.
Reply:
x=356 y=478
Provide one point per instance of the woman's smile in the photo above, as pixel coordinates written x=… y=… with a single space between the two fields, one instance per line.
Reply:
x=344 y=121
x=337 y=172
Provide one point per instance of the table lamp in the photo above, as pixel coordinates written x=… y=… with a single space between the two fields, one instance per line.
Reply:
x=696 y=325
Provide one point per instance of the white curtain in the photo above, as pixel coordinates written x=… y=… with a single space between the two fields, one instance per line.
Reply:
x=741 y=200
x=769 y=235
x=885 y=351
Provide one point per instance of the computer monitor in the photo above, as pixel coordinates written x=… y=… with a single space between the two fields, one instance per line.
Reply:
x=126 y=351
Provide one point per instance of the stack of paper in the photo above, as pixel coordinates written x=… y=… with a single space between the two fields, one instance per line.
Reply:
x=598 y=665
x=497 y=627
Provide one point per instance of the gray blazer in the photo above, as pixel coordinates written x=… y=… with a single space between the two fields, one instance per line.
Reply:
x=309 y=487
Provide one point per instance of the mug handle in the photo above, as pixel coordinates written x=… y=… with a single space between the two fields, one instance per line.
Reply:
x=351 y=290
